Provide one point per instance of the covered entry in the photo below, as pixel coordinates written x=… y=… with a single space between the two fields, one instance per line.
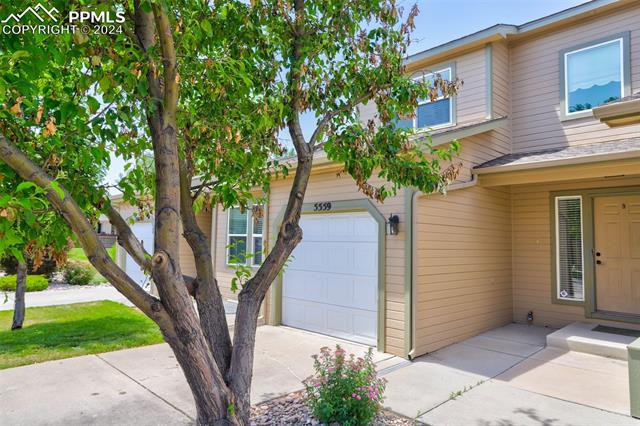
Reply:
x=331 y=285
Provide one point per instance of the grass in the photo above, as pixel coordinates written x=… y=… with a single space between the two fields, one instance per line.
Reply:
x=64 y=331
x=78 y=254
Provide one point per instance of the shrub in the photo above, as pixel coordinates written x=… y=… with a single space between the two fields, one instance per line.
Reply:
x=34 y=283
x=77 y=272
x=344 y=389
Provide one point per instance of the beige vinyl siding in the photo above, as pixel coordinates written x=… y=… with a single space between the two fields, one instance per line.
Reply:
x=463 y=265
x=463 y=255
x=471 y=99
x=187 y=261
x=472 y=96
x=535 y=85
x=532 y=257
x=500 y=78
x=328 y=186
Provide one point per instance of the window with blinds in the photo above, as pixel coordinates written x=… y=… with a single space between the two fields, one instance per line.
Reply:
x=569 y=255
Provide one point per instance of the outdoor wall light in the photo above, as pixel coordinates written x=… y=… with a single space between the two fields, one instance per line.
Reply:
x=392 y=224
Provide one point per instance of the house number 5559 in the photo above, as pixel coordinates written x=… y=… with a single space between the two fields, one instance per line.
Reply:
x=321 y=207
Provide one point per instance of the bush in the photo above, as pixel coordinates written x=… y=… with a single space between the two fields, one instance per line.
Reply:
x=34 y=283
x=78 y=273
x=344 y=389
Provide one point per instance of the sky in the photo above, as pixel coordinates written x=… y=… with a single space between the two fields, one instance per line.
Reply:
x=440 y=21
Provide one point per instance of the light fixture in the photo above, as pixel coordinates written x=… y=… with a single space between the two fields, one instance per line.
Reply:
x=392 y=224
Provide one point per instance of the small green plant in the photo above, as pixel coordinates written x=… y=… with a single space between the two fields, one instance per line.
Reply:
x=344 y=389
x=78 y=273
x=34 y=283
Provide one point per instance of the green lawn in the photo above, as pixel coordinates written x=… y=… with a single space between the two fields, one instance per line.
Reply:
x=78 y=254
x=65 y=331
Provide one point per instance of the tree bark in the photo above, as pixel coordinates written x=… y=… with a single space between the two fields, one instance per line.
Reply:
x=21 y=288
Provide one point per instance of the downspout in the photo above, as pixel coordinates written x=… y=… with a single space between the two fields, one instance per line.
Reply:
x=413 y=238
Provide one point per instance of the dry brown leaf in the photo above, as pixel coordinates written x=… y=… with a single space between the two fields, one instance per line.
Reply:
x=39 y=113
x=50 y=127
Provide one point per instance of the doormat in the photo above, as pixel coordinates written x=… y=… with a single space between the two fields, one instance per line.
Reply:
x=615 y=330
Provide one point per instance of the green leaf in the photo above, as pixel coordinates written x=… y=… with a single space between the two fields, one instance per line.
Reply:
x=206 y=26
x=25 y=185
x=93 y=104
x=56 y=187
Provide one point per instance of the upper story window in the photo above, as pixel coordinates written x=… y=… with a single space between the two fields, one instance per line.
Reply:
x=594 y=75
x=431 y=114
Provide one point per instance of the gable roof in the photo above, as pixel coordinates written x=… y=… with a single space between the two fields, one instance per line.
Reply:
x=504 y=31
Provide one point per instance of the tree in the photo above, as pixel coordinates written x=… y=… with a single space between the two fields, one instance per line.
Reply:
x=206 y=87
x=35 y=234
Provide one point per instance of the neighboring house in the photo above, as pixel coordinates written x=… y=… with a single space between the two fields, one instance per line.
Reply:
x=542 y=226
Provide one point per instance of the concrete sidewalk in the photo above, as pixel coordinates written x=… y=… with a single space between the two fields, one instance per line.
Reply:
x=65 y=296
x=503 y=377
x=145 y=386
x=507 y=377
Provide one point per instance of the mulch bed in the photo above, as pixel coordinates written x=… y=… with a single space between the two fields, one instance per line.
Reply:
x=291 y=410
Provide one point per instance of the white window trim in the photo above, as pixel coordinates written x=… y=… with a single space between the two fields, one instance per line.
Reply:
x=427 y=101
x=229 y=235
x=249 y=246
x=557 y=248
x=253 y=248
x=620 y=42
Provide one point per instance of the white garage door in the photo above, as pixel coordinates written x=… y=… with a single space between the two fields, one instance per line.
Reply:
x=331 y=285
x=144 y=232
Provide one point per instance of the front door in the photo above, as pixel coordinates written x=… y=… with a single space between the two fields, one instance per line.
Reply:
x=617 y=253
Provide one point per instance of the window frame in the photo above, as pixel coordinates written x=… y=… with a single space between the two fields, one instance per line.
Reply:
x=625 y=72
x=556 y=248
x=452 y=99
x=229 y=235
x=249 y=239
x=429 y=101
x=253 y=242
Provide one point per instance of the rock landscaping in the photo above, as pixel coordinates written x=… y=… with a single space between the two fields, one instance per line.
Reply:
x=291 y=410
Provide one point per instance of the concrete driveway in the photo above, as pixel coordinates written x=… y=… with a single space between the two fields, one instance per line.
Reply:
x=504 y=377
x=145 y=386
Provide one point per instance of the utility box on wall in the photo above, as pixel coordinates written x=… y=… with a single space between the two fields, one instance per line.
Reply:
x=634 y=377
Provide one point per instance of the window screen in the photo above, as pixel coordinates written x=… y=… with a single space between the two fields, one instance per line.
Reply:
x=593 y=76
x=569 y=256
x=237 y=236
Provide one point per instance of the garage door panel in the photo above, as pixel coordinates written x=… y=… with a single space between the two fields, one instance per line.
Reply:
x=331 y=286
x=365 y=293
x=339 y=290
x=364 y=325
x=144 y=232
x=341 y=257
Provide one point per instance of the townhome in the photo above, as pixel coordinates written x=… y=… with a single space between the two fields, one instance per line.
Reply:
x=542 y=225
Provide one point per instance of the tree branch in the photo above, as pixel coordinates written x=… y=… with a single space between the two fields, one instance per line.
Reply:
x=207 y=293
x=87 y=236
x=128 y=240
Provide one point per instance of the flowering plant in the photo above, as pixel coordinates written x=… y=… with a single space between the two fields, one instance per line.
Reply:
x=344 y=389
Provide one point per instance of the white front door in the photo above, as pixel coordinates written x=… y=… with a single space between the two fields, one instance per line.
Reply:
x=331 y=284
x=144 y=232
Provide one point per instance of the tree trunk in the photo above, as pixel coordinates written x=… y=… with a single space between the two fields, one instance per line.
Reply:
x=21 y=287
